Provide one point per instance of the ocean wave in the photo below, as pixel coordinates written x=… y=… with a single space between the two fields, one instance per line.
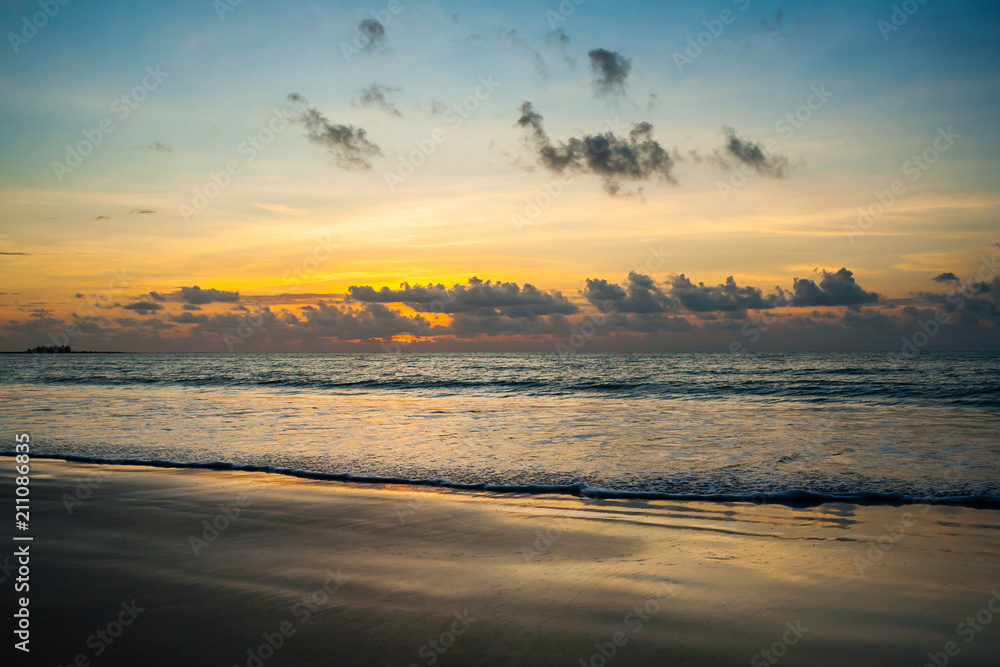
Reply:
x=980 y=395
x=791 y=497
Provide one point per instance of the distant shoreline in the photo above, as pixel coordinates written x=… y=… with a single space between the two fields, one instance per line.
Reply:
x=58 y=353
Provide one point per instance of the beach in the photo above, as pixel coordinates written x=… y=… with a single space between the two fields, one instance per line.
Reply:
x=129 y=564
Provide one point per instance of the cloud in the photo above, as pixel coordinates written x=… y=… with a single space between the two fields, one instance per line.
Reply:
x=727 y=298
x=641 y=295
x=143 y=307
x=15 y=253
x=141 y=211
x=610 y=71
x=513 y=40
x=320 y=321
x=198 y=296
x=750 y=154
x=947 y=277
x=374 y=31
x=159 y=146
x=156 y=296
x=188 y=318
x=835 y=289
x=375 y=95
x=476 y=297
x=637 y=157
x=559 y=40
x=348 y=145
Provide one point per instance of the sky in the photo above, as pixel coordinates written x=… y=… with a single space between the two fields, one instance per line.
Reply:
x=733 y=176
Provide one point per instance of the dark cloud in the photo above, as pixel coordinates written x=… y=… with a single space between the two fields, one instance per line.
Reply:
x=946 y=277
x=159 y=146
x=378 y=95
x=374 y=32
x=15 y=253
x=751 y=154
x=465 y=325
x=190 y=306
x=156 y=296
x=646 y=323
x=637 y=157
x=189 y=318
x=835 y=289
x=39 y=320
x=141 y=211
x=320 y=321
x=513 y=40
x=610 y=71
x=198 y=296
x=476 y=297
x=143 y=307
x=727 y=298
x=641 y=295
x=348 y=145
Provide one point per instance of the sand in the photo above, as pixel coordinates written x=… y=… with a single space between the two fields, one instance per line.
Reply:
x=126 y=568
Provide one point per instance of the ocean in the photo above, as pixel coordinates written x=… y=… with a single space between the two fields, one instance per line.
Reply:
x=782 y=427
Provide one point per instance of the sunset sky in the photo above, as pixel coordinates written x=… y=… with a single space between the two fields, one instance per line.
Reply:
x=315 y=176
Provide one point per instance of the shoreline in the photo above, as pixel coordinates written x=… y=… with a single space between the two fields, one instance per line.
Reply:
x=795 y=498
x=235 y=566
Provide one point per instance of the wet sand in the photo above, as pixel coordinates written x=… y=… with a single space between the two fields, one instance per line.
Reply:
x=127 y=568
